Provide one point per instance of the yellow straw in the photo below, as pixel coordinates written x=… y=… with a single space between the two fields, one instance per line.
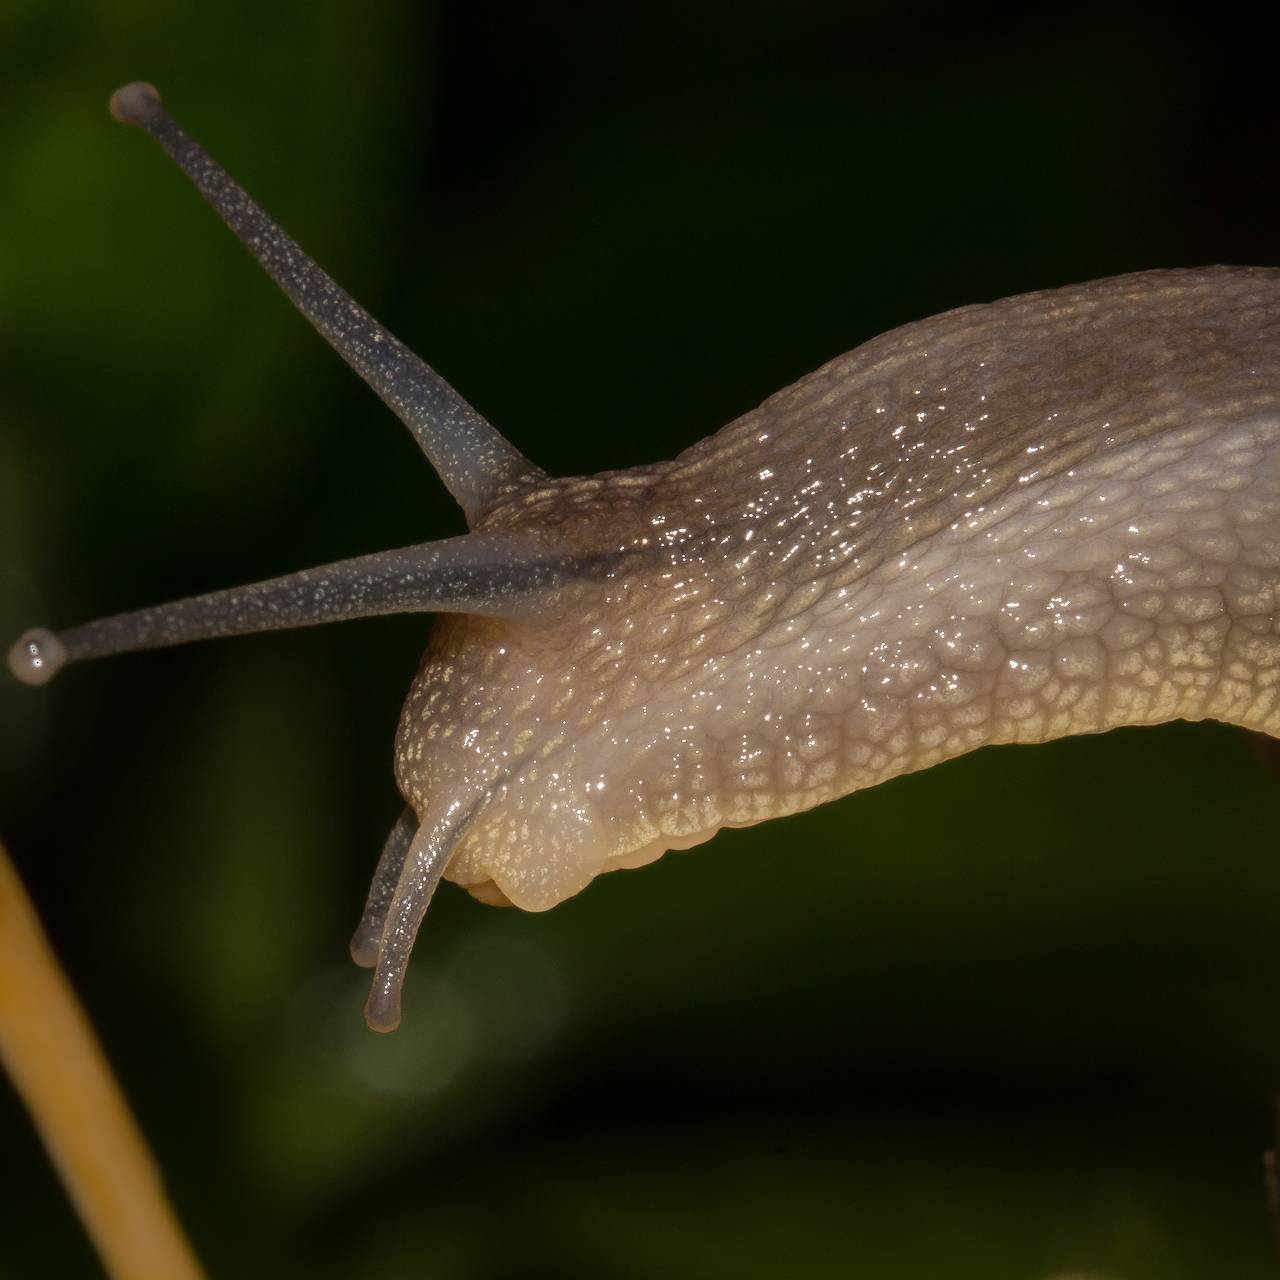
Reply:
x=59 y=1070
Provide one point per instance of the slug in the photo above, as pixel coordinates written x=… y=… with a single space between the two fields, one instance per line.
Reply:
x=1048 y=515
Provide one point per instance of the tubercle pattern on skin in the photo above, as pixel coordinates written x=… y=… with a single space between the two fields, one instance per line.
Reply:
x=1008 y=523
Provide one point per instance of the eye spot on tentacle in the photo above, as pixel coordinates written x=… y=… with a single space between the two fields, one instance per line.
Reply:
x=37 y=656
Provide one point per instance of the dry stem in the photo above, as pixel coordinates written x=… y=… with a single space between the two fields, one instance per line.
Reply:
x=59 y=1070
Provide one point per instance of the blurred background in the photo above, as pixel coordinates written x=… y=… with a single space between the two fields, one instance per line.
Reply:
x=1018 y=1014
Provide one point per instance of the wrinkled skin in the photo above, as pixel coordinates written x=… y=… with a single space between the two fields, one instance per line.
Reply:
x=1053 y=514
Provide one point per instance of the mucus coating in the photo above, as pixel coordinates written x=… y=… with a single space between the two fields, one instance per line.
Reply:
x=1054 y=514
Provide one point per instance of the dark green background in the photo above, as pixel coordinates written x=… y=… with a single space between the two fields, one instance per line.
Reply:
x=1015 y=1016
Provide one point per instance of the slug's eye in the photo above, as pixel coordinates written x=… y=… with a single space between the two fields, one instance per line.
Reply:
x=37 y=656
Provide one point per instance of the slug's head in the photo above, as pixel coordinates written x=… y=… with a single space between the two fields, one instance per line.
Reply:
x=533 y=667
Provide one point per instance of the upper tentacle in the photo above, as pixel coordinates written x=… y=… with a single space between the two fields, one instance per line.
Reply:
x=485 y=573
x=473 y=459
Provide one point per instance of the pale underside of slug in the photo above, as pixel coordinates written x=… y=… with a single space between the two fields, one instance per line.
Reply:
x=1049 y=515
x=1054 y=514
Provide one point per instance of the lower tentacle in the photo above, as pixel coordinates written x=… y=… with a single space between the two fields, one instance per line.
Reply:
x=427 y=856
x=368 y=935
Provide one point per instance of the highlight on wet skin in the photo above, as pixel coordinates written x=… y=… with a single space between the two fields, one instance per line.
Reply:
x=1053 y=514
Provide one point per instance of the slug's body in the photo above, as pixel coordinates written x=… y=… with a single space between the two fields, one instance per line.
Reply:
x=1049 y=515
x=1053 y=514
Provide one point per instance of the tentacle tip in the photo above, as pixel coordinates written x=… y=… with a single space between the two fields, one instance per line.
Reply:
x=364 y=949
x=37 y=656
x=382 y=1010
x=135 y=103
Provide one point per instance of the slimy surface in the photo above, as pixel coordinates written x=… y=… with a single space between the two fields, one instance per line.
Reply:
x=1051 y=515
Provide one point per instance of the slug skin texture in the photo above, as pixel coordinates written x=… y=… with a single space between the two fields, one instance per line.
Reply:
x=1054 y=514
